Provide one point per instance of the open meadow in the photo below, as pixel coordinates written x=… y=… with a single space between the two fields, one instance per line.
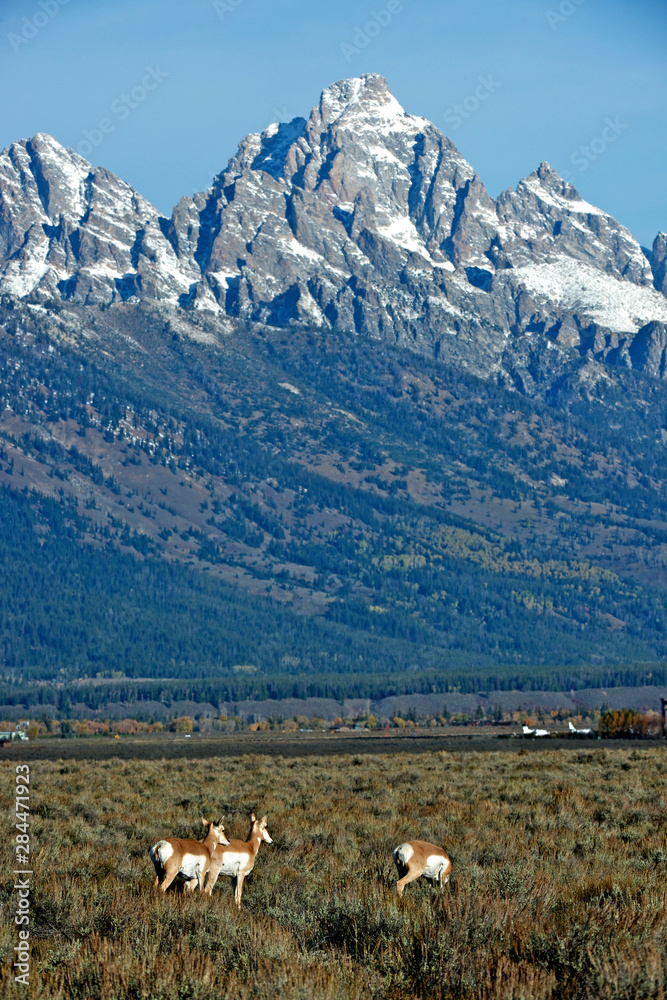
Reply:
x=558 y=889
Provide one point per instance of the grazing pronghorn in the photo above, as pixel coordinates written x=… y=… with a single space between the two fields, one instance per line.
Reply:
x=237 y=857
x=415 y=858
x=189 y=858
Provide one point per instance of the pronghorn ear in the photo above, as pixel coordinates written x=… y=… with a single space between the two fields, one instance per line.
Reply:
x=252 y=817
x=204 y=821
x=219 y=823
x=264 y=819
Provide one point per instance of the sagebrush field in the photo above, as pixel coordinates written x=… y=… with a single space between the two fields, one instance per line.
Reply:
x=558 y=889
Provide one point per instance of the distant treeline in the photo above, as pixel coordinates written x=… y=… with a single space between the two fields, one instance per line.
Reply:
x=217 y=692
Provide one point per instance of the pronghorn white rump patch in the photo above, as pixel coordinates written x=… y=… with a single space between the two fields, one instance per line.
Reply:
x=163 y=850
x=403 y=852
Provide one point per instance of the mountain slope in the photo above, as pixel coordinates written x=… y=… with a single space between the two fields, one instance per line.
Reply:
x=397 y=425
x=427 y=518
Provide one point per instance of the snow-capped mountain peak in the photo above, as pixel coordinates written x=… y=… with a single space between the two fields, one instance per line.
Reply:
x=367 y=96
x=70 y=230
x=361 y=217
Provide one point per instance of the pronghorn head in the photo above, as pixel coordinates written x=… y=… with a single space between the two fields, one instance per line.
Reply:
x=259 y=828
x=216 y=830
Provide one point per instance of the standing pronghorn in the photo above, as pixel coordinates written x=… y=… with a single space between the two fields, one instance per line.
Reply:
x=189 y=858
x=415 y=858
x=237 y=857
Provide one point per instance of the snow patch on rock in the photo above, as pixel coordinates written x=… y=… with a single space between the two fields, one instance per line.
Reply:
x=571 y=285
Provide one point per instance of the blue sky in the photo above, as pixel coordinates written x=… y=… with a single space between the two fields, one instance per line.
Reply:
x=580 y=83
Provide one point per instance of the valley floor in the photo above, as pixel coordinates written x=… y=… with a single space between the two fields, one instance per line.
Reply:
x=176 y=746
x=558 y=888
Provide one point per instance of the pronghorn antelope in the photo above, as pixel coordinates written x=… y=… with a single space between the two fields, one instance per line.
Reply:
x=189 y=858
x=415 y=858
x=237 y=857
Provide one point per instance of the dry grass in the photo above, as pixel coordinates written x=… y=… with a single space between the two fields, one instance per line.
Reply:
x=558 y=889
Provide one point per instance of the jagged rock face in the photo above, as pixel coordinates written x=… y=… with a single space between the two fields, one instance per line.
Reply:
x=648 y=350
x=545 y=219
x=368 y=218
x=71 y=231
x=659 y=262
x=363 y=218
x=337 y=220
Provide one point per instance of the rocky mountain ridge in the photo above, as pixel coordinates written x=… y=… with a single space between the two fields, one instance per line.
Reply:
x=362 y=218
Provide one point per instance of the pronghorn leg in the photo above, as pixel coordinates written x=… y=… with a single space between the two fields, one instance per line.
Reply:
x=191 y=885
x=159 y=873
x=410 y=877
x=239 y=888
x=169 y=877
x=446 y=873
x=443 y=876
x=211 y=879
x=401 y=884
